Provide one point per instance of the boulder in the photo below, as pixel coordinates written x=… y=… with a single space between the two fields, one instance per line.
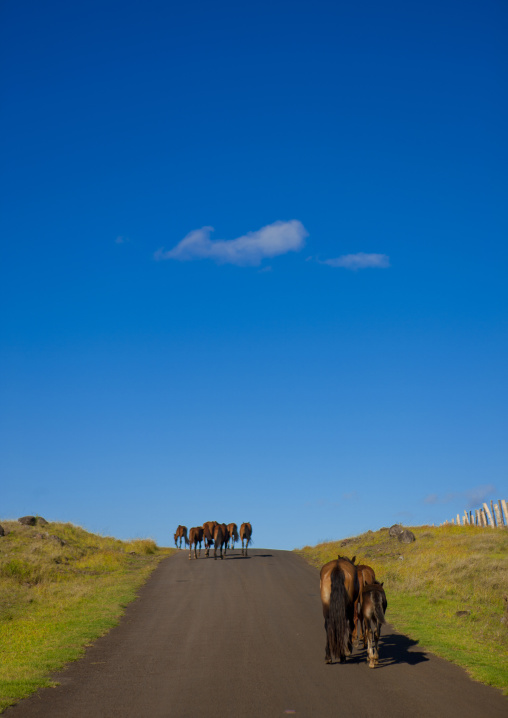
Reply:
x=41 y=522
x=2 y=531
x=28 y=520
x=406 y=536
x=395 y=530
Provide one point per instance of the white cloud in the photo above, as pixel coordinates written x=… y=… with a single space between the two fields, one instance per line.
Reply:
x=250 y=249
x=359 y=261
x=472 y=498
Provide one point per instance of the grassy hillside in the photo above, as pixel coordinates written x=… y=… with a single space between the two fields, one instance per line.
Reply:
x=60 y=588
x=448 y=569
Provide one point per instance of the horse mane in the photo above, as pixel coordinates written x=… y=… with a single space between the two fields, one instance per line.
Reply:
x=345 y=558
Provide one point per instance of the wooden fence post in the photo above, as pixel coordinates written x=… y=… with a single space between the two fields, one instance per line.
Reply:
x=488 y=515
x=492 y=513
x=505 y=511
x=499 y=519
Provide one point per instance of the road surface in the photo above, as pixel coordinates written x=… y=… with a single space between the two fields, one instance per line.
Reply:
x=244 y=638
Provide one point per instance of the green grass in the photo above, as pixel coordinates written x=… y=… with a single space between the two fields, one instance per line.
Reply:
x=61 y=587
x=447 y=569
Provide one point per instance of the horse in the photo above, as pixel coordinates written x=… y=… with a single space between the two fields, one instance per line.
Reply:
x=339 y=590
x=208 y=529
x=181 y=533
x=245 y=535
x=365 y=575
x=214 y=535
x=225 y=538
x=372 y=615
x=233 y=534
x=195 y=538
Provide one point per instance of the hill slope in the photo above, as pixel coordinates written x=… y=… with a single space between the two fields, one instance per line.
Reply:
x=60 y=587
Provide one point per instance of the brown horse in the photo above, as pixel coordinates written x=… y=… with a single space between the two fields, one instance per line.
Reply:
x=195 y=538
x=339 y=591
x=233 y=534
x=245 y=535
x=208 y=529
x=372 y=615
x=214 y=535
x=365 y=575
x=225 y=538
x=181 y=533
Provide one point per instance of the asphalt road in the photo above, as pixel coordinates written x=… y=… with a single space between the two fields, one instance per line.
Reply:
x=244 y=637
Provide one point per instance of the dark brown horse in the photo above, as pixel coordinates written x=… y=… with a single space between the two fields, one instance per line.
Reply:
x=245 y=535
x=181 y=533
x=214 y=536
x=365 y=575
x=339 y=591
x=225 y=538
x=208 y=529
x=372 y=615
x=195 y=538
x=233 y=534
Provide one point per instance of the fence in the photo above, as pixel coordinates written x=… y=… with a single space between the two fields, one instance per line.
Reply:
x=496 y=516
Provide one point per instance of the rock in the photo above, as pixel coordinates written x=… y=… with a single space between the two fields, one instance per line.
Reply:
x=40 y=521
x=28 y=520
x=346 y=542
x=395 y=530
x=460 y=614
x=406 y=536
x=57 y=538
x=2 y=531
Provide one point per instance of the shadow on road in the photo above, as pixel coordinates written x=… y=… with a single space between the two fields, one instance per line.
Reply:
x=229 y=557
x=393 y=648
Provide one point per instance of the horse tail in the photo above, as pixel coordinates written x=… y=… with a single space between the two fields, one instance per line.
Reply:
x=185 y=537
x=378 y=607
x=337 y=624
x=235 y=534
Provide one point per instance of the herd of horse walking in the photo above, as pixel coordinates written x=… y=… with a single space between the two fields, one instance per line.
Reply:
x=353 y=602
x=212 y=533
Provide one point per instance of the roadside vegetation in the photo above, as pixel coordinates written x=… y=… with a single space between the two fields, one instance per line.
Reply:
x=448 y=590
x=60 y=588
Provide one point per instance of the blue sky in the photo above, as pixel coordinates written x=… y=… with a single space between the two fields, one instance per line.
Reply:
x=253 y=264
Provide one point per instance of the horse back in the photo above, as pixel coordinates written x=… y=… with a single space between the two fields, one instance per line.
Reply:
x=245 y=531
x=209 y=529
x=350 y=578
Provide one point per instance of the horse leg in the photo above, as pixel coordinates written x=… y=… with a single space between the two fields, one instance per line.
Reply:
x=377 y=632
x=328 y=657
x=370 y=650
x=356 y=640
